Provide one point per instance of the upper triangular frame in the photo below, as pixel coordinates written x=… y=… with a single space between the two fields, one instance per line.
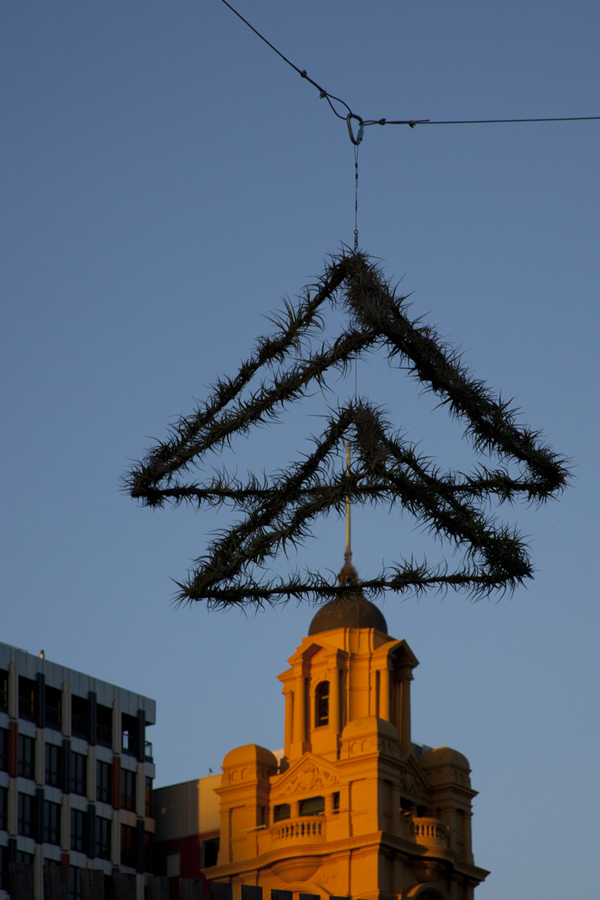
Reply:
x=279 y=511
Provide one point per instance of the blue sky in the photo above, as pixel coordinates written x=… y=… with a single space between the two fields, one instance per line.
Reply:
x=167 y=179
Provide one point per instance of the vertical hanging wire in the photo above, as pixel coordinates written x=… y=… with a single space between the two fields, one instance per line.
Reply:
x=356 y=198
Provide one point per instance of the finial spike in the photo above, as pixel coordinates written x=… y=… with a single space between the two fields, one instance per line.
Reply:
x=348 y=574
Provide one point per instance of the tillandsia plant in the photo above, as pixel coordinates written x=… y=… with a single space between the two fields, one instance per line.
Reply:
x=277 y=512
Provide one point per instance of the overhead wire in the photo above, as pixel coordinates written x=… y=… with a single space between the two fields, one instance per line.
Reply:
x=363 y=123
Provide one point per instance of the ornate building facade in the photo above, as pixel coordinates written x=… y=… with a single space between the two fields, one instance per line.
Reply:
x=352 y=808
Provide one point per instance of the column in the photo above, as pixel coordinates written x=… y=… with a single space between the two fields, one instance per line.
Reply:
x=405 y=732
x=334 y=699
x=289 y=720
x=299 y=710
x=384 y=693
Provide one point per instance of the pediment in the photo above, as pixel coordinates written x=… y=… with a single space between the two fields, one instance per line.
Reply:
x=307 y=776
x=412 y=779
x=309 y=648
x=400 y=650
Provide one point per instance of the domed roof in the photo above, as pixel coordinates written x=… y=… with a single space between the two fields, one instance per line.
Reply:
x=350 y=609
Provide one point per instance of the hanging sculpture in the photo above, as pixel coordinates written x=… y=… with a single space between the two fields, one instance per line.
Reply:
x=278 y=512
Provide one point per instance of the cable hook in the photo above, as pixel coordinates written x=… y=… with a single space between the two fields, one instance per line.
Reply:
x=361 y=128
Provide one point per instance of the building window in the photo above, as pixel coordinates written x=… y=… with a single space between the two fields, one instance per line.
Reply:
x=25 y=824
x=210 y=852
x=103 y=781
x=26 y=698
x=322 y=704
x=104 y=725
x=102 y=838
x=128 y=779
x=3 y=689
x=129 y=732
x=148 y=854
x=3 y=749
x=281 y=812
x=53 y=708
x=78 y=774
x=78 y=823
x=3 y=868
x=336 y=802
x=26 y=756
x=3 y=807
x=74 y=883
x=128 y=846
x=22 y=857
x=79 y=717
x=313 y=806
x=53 y=765
x=51 y=822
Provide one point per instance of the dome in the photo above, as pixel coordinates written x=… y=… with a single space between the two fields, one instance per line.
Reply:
x=249 y=754
x=348 y=610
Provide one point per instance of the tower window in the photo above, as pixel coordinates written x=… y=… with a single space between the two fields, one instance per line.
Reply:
x=322 y=704
x=282 y=811
x=313 y=806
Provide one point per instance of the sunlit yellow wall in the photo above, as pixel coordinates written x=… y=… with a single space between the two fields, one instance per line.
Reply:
x=391 y=825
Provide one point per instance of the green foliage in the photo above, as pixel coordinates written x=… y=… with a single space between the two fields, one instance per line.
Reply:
x=278 y=512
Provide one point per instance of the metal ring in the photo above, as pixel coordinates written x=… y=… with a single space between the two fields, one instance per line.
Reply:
x=361 y=128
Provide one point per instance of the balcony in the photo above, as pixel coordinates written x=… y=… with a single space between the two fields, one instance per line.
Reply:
x=304 y=831
x=430 y=833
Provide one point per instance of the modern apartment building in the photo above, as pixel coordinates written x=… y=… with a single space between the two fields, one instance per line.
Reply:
x=76 y=772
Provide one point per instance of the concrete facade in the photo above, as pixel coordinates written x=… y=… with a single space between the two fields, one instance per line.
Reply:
x=76 y=772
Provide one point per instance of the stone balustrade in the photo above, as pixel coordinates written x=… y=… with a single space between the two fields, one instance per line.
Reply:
x=305 y=829
x=429 y=832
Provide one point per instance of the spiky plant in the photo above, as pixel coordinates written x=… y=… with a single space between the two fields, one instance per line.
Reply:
x=278 y=512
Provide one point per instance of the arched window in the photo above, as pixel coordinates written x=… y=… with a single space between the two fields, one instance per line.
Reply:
x=322 y=704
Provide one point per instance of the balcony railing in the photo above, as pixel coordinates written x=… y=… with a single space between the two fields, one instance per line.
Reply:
x=429 y=832
x=306 y=829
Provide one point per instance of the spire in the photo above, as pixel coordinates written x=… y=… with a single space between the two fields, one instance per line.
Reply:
x=348 y=574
